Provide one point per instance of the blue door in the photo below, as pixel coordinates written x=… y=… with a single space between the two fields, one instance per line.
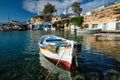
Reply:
x=41 y=27
x=105 y=26
x=117 y=26
x=33 y=26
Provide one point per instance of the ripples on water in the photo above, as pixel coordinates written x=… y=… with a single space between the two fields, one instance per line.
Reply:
x=19 y=58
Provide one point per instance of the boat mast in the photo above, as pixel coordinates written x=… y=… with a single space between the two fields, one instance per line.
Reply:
x=8 y=20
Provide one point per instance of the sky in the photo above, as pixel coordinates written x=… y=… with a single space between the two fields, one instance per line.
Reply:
x=23 y=10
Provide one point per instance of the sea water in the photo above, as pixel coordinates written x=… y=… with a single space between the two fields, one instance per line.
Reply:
x=20 y=59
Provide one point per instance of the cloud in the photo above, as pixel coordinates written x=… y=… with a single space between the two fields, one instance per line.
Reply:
x=36 y=6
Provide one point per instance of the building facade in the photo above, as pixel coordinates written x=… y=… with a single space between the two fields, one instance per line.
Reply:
x=35 y=22
x=105 y=18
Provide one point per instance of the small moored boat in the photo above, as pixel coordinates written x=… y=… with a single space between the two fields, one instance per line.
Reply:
x=88 y=31
x=57 y=49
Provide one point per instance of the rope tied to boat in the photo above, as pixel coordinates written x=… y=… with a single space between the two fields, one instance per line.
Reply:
x=57 y=63
x=55 y=66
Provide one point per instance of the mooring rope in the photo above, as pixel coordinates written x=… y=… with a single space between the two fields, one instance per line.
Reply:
x=55 y=65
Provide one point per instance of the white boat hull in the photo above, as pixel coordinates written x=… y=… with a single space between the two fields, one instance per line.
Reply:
x=88 y=31
x=60 y=50
x=64 y=56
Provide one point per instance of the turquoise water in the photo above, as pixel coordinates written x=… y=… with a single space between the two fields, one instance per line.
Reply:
x=19 y=58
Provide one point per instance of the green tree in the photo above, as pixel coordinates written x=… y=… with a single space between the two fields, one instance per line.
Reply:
x=48 y=9
x=76 y=7
x=77 y=20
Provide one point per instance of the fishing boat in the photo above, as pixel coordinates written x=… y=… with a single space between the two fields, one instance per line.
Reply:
x=88 y=31
x=58 y=50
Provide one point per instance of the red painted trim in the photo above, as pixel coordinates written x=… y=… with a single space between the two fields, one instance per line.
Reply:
x=67 y=64
x=43 y=48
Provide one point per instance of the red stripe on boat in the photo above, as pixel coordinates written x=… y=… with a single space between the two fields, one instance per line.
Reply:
x=43 y=48
x=67 y=46
x=67 y=64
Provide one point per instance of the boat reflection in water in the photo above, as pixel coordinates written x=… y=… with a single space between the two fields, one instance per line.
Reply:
x=53 y=72
x=57 y=72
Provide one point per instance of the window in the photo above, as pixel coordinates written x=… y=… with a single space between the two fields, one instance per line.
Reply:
x=95 y=26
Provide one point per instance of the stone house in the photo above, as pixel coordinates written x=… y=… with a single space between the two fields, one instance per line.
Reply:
x=36 y=20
